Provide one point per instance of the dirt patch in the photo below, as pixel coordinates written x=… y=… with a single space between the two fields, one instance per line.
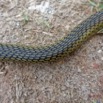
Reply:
x=74 y=79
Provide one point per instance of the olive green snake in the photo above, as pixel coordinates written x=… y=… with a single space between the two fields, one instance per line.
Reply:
x=67 y=45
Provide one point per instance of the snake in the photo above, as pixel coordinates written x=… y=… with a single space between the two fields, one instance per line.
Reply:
x=69 y=43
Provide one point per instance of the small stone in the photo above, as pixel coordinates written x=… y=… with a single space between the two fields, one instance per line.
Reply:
x=99 y=51
x=79 y=70
x=101 y=58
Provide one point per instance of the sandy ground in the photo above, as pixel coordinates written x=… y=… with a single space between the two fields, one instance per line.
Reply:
x=75 y=79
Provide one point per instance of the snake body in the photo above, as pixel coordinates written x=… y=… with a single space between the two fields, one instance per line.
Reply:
x=68 y=44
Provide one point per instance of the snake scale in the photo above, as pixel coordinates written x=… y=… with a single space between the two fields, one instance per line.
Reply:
x=68 y=44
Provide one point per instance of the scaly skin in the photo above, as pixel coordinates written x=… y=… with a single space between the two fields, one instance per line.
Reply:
x=68 y=44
